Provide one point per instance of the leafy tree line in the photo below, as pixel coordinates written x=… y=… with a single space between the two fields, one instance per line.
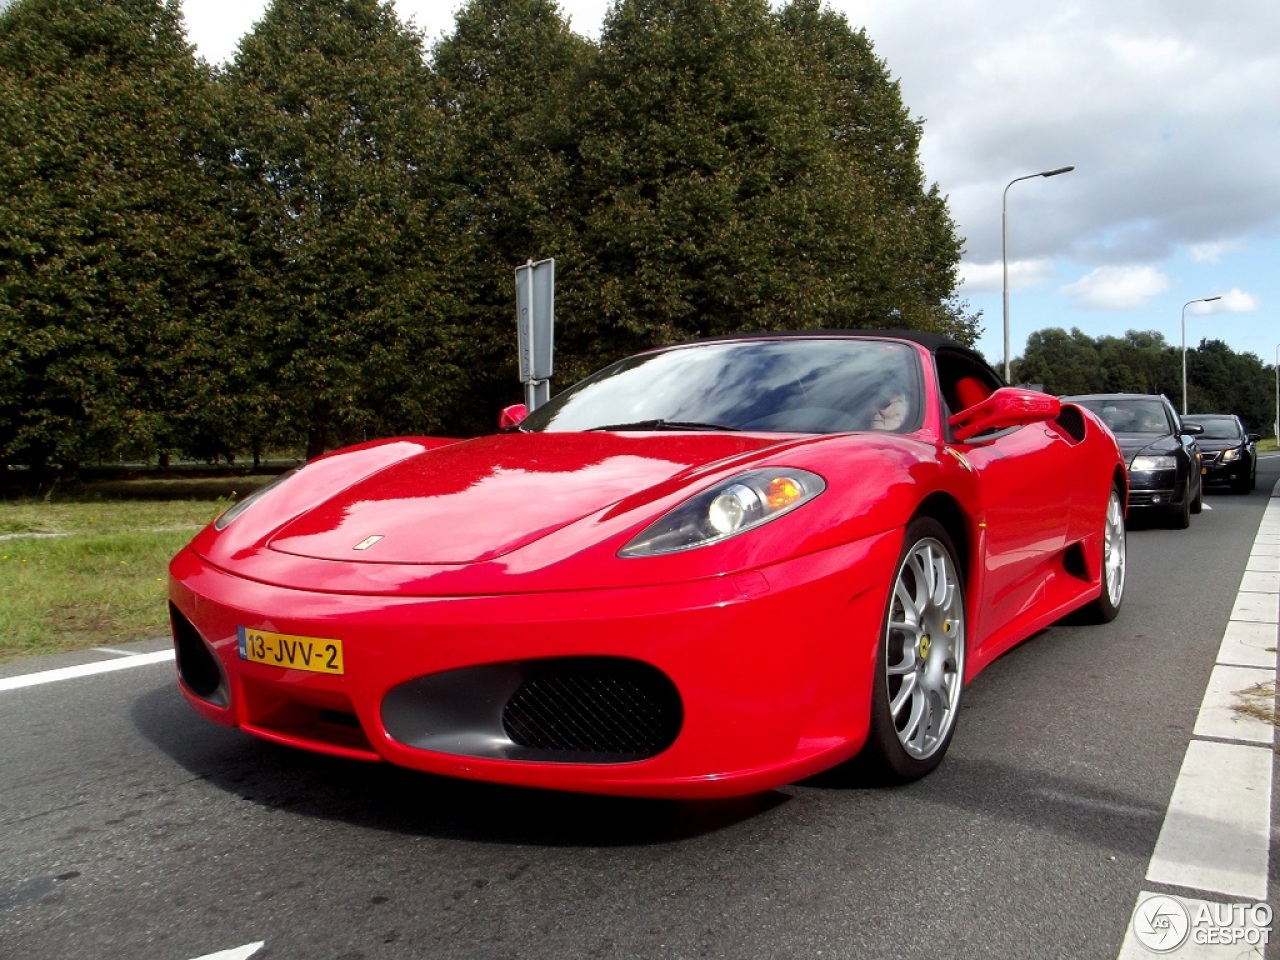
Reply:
x=1219 y=380
x=316 y=243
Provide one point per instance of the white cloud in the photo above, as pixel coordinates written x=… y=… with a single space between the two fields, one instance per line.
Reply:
x=1237 y=301
x=1023 y=275
x=1150 y=54
x=1212 y=252
x=1117 y=288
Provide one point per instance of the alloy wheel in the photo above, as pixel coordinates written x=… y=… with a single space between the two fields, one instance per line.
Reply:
x=924 y=646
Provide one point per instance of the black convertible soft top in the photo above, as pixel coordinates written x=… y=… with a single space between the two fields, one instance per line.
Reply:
x=933 y=342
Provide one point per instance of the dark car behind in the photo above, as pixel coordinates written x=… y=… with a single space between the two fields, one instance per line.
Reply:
x=1160 y=449
x=1229 y=453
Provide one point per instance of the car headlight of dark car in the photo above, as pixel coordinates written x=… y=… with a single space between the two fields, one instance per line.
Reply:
x=732 y=507
x=1230 y=455
x=1147 y=463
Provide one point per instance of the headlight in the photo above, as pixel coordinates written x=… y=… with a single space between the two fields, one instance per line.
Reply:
x=1148 y=464
x=227 y=516
x=726 y=510
x=1232 y=454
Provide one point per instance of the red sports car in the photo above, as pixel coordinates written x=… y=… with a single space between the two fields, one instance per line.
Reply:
x=707 y=570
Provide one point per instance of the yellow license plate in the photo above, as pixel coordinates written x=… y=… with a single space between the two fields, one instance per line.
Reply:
x=1204 y=470
x=316 y=654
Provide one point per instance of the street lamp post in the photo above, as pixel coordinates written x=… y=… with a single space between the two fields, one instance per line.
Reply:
x=1184 y=345
x=1004 y=250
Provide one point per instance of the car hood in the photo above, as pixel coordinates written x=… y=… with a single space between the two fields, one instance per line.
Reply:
x=478 y=500
x=1132 y=444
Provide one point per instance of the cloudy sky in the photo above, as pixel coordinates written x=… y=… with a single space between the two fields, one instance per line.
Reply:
x=1168 y=109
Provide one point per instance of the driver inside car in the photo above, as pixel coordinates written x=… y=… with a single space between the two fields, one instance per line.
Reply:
x=889 y=409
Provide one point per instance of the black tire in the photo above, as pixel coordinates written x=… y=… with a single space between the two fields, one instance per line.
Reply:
x=1180 y=516
x=1198 y=503
x=1114 y=563
x=1253 y=475
x=905 y=672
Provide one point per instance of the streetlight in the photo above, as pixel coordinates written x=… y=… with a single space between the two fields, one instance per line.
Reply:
x=1004 y=250
x=1184 y=346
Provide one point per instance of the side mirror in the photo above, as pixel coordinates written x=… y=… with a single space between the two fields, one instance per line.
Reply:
x=512 y=415
x=1005 y=408
x=1190 y=429
x=1254 y=437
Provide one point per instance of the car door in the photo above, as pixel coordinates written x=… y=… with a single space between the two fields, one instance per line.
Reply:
x=1027 y=488
x=1027 y=485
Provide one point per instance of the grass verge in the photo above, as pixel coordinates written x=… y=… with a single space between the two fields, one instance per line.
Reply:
x=77 y=575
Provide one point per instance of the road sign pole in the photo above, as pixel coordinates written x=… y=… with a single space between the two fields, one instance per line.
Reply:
x=535 y=321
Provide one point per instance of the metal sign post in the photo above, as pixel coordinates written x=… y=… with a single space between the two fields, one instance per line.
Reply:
x=535 y=319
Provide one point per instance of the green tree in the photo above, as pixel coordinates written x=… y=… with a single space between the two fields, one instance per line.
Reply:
x=894 y=246
x=720 y=186
x=508 y=75
x=1065 y=363
x=691 y=122
x=1219 y=380
x=110 y=236
x=337 y=150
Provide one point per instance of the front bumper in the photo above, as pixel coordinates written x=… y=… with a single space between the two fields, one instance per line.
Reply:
x=1216 y=471
x=771 y=672
x=1155 y=489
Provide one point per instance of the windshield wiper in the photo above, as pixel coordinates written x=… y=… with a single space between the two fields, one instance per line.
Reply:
x=660 y=424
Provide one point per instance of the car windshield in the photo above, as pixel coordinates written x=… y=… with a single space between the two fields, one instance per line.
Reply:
x=1124 y=415
x=794 y=385
x=1217 y=428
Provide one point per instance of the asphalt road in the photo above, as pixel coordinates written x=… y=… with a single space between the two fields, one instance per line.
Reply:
x=131 y=828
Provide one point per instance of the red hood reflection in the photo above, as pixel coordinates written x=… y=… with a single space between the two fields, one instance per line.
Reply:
x=481 y=499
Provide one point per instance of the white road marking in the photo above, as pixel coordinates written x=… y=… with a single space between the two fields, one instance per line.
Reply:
x=235 y=953
x=84 y=670
x=1217 y=831
x=1257 y=608
x=1216 y=836
x=114 y=652
x=1263 y=564
x=1255 y=581
x=1219 y=718
x=1248 y=645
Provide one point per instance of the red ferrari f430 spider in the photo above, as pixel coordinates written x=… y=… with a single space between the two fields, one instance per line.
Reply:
x=709 y=569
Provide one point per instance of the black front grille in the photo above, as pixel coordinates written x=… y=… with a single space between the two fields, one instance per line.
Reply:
x=598 y=705
x=197 y=665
